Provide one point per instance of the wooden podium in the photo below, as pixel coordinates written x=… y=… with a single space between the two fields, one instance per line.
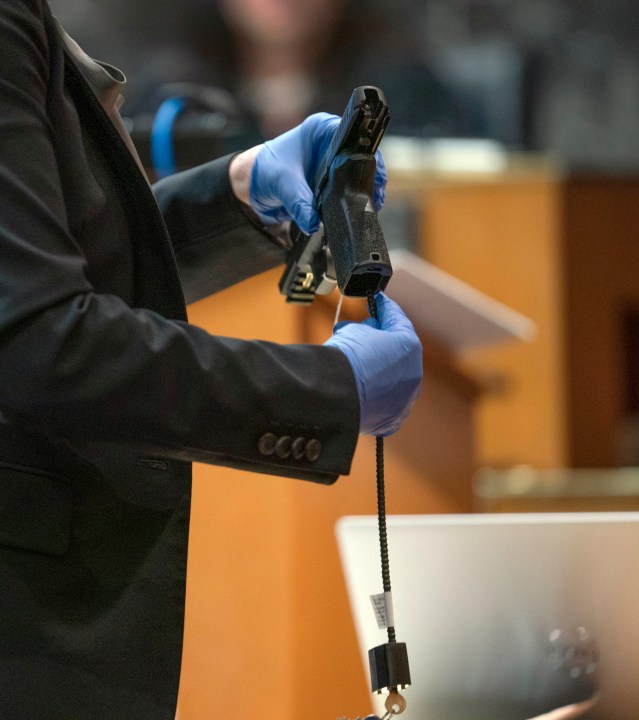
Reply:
x=268 y=628
x=268 y=625
x=563 y=249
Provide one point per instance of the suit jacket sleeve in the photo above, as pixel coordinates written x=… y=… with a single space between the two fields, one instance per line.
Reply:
x=79 y=363
x=215 y=242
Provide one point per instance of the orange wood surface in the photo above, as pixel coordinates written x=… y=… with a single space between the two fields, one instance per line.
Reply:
x=602 y=281
x=237 y=658
x=502 y=236
x=563 y=250
x=268 y=627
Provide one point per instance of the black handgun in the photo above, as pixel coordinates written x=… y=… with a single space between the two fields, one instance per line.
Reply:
x=349 y=249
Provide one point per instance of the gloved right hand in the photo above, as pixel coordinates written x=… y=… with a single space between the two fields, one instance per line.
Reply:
x=285 y=168
x=386 y=357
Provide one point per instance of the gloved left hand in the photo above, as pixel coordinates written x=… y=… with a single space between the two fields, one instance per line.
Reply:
x=285 y=168
x=386 y=358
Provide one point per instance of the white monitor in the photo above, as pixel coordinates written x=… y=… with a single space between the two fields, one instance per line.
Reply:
x=508 y=616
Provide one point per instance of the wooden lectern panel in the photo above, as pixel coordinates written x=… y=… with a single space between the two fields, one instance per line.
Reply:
x=268 y=625
x=563 y=250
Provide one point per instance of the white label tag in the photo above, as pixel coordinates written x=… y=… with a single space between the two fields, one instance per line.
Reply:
x=379 y=608
x=383 y=609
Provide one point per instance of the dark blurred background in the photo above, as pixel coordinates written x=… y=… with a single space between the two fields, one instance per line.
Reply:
x=547 y=75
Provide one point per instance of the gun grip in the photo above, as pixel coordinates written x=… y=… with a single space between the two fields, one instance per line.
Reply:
x=352 y=229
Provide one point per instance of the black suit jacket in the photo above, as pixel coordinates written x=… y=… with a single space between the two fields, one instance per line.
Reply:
x=107 y=393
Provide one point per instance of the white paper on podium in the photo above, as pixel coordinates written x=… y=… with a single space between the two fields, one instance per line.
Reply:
x=452 y=312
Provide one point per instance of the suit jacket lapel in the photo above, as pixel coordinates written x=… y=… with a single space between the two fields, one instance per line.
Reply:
x=157 y=281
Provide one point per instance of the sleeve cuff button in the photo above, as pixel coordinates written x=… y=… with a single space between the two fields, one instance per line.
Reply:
x=283 y=446
x=299 y=448
x=313 y=450
x=266 y=444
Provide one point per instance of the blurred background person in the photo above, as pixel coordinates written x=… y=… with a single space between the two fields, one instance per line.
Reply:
x=545 y=75
x=271 y=62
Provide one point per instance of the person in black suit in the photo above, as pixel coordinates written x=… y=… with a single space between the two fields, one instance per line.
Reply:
x=108 y=394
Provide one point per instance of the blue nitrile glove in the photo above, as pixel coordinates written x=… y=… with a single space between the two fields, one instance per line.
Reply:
x=386 y=357
x=284 y=168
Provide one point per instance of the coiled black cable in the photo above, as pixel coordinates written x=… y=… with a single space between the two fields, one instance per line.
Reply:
x=381 y=497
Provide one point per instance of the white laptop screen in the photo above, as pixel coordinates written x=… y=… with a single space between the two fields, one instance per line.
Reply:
x=505 y=616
